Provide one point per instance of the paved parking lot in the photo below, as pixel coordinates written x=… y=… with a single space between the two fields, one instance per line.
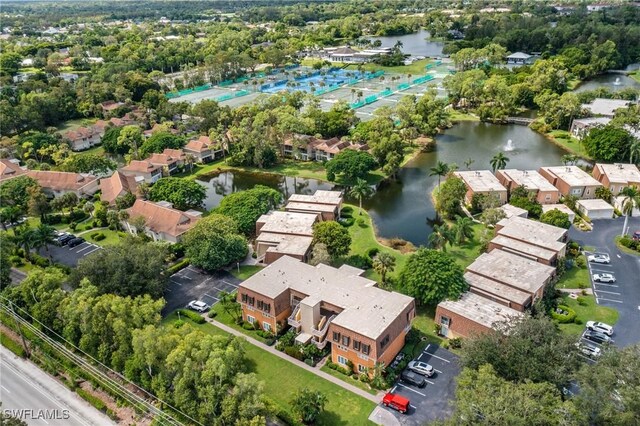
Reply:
x=192 y=284
x=434 y=400
x=624 y=294
x=70 y=255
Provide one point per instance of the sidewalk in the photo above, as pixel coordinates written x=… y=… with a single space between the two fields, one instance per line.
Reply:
x=373 y=398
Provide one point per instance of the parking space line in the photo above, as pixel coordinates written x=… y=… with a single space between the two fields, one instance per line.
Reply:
x=608 y=292
x=95 y=249
x=606 y=285
x=227 y=282
x=438 y=371
x=213 y=297
x=394 y=389
x=608 y=300
x=412 y=390
x=436 y=356
x=85 y=248
x=176 y=282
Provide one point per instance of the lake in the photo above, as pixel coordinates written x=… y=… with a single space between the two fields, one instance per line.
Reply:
x=403 y=208
x=610 y=81
x=414 y=44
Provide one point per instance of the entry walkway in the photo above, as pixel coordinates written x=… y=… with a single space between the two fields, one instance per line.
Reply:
x=373 y=398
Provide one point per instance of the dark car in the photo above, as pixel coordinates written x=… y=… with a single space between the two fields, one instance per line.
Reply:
x=636 y=235
x=76 y=242
x=64 y=239
x=597 y=337
x=412 y=378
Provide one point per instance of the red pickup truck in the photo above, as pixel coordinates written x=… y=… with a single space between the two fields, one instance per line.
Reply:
x=396 y=402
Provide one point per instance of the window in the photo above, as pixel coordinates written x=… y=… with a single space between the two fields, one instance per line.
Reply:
x=547 y=197
x=384 y=341
x=366 y=349
x=252 y=301
x=588 y=191
x=356 y=345
x=346 y=340
x=576 y=191
x=267 y=307
x=266 y=326
x=336 y=336
x=260 y=304
x=362 y=368
x=342 y=360
x=250 y=319
x=445 y=321
x=244 y=297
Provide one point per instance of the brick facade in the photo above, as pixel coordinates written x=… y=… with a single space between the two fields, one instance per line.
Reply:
x=459 y=326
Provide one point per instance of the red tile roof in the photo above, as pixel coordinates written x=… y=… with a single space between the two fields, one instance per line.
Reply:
x=162 y=219
x=116 y=185
x=58 y=181
x=9 y=169
x=140 y=166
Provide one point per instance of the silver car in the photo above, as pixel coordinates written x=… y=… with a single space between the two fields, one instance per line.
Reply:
x=600 y=327
x=198 y=306
x=589 y=350
x=599 y=258
x=421 y=368
x=604 y=278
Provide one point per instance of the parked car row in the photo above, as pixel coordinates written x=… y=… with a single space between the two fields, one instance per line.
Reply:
x=596 y=333
x=415 y=374
x=66 y=239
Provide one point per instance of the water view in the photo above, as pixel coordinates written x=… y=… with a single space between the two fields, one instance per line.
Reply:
x=610 y=81
x=416 y=44
x=403 y=208
x=219 y=185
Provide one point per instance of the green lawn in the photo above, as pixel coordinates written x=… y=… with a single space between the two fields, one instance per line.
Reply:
x=74 y=124
x=415 y=69
x=97 y=150
x=228 y=320
x=348 y=379
x=363 y=239
x=463 y=116
x=245 y=271
x=625 y=249
x=282 y=379
x=575 y=277
x=568 y=142
x=635 y=76
x=466 y=253
x=589 y=312
x=112 y=239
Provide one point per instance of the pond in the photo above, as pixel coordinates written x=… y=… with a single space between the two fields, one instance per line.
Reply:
x=416 y=44
x=610 y=81
x=221 y=184
x=403 y=208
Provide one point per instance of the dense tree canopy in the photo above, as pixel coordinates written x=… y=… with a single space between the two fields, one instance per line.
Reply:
x=432 y=276
x=182 y=193
x=245 y=207
x=556 y=218
x=159 y=141
x=349 y=165
x=608 y=144
x=449 y=196
x=214 y=242
x=130 y=268
x=334 y=236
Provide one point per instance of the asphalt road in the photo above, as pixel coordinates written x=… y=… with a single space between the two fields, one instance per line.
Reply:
x=37 y=398
x=625 y=295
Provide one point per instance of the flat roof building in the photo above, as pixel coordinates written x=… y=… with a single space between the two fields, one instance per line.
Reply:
x=514 y=271
x=511 y=211
x=617 y=176
x=534 y=182
x=571 y=180
x=284 y=233
x=580 y=127
x=482 y=182
x=326 y=305
x=606 y=107
x=327 y=204
x=595 y=209
x=472 y=315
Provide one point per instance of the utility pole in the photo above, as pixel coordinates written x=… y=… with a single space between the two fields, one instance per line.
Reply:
x=24 y=342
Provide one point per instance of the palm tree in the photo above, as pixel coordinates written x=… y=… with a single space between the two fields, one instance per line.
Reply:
x=462 y=229
x=383 y=263
x=440 y=236
x=361 y=190
x=23 y=236
x=499 y=161
x=630 y=201
x=189 y=159
x=468 y=162
x=43 y=235
x=441 y=169
x=634 y=150
x=9 y=215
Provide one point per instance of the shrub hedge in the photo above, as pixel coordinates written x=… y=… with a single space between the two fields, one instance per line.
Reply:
x=178 y=266
x=10 y=344
x=563 y=318
x=193 y=316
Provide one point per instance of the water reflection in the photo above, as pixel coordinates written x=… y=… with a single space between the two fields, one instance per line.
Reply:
x=220 y=184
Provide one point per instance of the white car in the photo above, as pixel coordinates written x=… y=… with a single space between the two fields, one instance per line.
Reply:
x=421 y=368
x=198 y=306
x=604 y=278
x=600 y=327
x=599 y=258
x=589 y=350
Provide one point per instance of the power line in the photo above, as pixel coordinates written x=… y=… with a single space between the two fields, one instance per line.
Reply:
x=105 y=376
